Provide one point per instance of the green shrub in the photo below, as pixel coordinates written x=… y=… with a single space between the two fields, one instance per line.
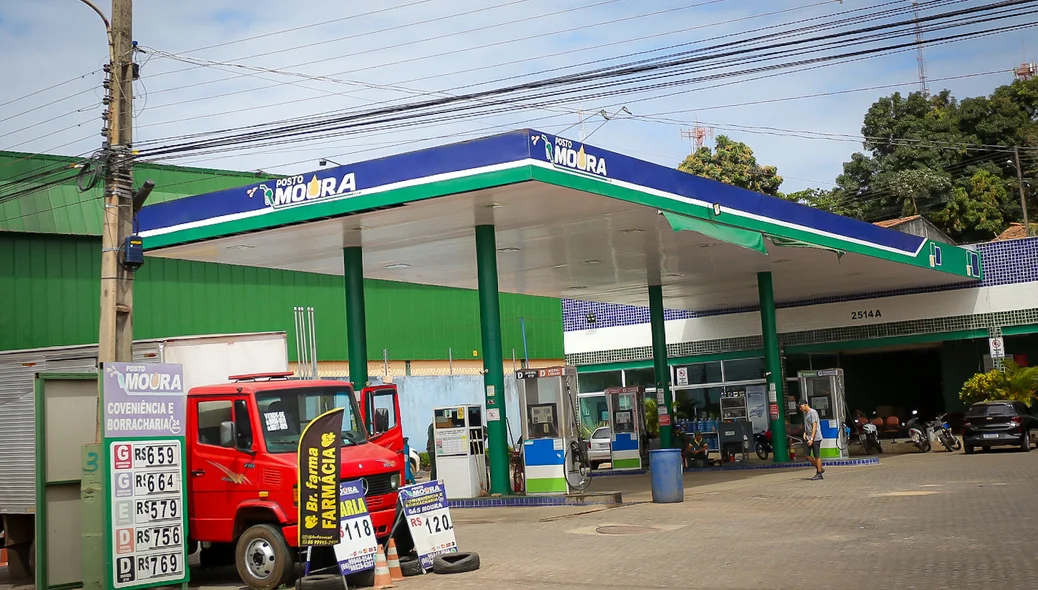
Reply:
x=1014 y=383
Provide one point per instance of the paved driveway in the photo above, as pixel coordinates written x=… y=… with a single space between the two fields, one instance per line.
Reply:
x=914 y=521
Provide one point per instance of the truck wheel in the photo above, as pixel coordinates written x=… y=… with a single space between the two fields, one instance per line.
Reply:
x=263 y=558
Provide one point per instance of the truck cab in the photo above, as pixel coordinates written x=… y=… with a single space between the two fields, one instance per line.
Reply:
x=242 y=469
x=381 y=406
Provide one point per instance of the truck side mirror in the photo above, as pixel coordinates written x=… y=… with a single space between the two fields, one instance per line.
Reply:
x=227 y=434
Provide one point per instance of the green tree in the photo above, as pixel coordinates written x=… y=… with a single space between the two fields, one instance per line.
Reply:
x=923 y=154
x=977 y=207
x=733 y=162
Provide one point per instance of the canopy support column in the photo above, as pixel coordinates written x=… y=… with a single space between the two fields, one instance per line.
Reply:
x=493 y=363
x=356 y=327
x=662 y=368
x=773 y=367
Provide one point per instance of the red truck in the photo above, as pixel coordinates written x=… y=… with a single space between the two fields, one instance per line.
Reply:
x=242 y=492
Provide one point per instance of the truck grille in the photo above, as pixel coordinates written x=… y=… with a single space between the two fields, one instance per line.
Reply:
x=378 y=485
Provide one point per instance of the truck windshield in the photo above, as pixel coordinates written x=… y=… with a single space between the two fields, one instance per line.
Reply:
x=284 y=413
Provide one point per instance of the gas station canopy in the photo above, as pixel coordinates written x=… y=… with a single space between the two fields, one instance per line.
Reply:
x=570 y=221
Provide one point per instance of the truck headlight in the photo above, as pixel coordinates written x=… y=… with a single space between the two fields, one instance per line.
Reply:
x=394 y=481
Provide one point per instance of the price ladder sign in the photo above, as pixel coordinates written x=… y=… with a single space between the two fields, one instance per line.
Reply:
x=146 y=512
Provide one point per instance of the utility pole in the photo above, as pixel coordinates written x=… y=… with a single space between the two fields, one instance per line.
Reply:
x=115 y=337
x=1023 y=191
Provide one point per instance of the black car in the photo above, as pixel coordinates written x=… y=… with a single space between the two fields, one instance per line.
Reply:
x=998 y=424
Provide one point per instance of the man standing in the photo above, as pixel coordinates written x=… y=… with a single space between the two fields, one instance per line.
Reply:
x=430 y=448
x=812 y=438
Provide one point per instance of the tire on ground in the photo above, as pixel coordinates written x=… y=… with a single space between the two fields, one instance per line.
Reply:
x=364 y=579
x=280 y=561
x=320 y=582
x=455 y=563
x=410 y=566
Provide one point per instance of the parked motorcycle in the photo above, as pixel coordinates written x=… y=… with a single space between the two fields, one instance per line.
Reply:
x=865 y=435
x=919 y=435
x=763 y=447
x=762 y=444
x=942 y=432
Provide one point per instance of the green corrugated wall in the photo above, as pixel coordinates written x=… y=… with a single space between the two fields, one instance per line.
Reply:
x=49 y=286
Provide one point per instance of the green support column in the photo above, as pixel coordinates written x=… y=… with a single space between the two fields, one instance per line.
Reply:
x=356 y=327
x=493 y=363
x=773 y=366
x=659 y=362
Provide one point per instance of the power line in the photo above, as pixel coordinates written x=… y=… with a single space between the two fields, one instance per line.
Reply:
x=356 y=36
x=494 y=65
x=52 y=87
x=570 y=80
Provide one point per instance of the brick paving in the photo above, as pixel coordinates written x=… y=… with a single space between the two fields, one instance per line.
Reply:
x=941 y=520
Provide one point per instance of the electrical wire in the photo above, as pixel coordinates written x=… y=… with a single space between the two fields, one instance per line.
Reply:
x=49 y=88
x=493 y=65
x=343 y=122
x=565 y=80
x=425 y=22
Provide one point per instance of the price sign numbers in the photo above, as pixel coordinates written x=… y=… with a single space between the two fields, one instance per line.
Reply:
x=156 y=482
x=357 y=529
x=159 y=565
x=156 y=455
x=165 y=509
x=159 y=537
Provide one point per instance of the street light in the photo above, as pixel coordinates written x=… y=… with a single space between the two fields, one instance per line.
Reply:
x=324 y=162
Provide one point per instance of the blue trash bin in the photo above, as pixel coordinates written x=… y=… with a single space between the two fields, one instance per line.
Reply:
x=668 y=484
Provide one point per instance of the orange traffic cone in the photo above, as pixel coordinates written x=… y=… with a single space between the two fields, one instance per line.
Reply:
x=383 y=579
x=394 y=562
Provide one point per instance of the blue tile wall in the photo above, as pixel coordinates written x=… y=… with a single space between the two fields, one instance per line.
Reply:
x=1006 y=262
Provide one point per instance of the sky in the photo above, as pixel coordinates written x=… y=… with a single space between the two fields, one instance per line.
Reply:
x=333 y=55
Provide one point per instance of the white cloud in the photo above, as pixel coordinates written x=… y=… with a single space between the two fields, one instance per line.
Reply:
x=48 y=41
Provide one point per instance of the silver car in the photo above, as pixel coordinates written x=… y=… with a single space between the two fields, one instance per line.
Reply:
x=601 y=444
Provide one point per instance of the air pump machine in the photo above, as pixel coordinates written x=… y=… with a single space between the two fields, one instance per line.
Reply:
x=548 y=401
x=460 y=447
x=824 y=392
x=627 y=425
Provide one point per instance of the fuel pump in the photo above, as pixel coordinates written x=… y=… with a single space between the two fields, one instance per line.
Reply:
x=626 y=425
x=824 y=392
x=460 y=447
x=547 y=402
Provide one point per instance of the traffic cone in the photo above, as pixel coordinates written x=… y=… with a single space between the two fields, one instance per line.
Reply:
x=383 y=579
x=394 y=562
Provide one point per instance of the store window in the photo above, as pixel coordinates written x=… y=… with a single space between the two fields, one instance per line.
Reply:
x=698 y=374
x=599 y=381
x=594 y=412
x=644 y=377
x=744 y=370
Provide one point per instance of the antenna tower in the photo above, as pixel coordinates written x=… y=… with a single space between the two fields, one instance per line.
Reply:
x=919 y=57
x=697 y=136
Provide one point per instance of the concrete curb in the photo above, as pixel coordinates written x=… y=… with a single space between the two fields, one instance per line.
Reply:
x=596 y=499
x=755 y=466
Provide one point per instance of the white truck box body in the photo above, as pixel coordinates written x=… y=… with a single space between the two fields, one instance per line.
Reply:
x=207 y=359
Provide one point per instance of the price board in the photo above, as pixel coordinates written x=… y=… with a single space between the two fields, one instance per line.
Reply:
x=145 y=485
x=147 y=512
x=357 y=545
x=428 y=517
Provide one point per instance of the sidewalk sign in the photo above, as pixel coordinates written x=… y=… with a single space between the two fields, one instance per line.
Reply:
x=357 y=545
x=428 y=517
